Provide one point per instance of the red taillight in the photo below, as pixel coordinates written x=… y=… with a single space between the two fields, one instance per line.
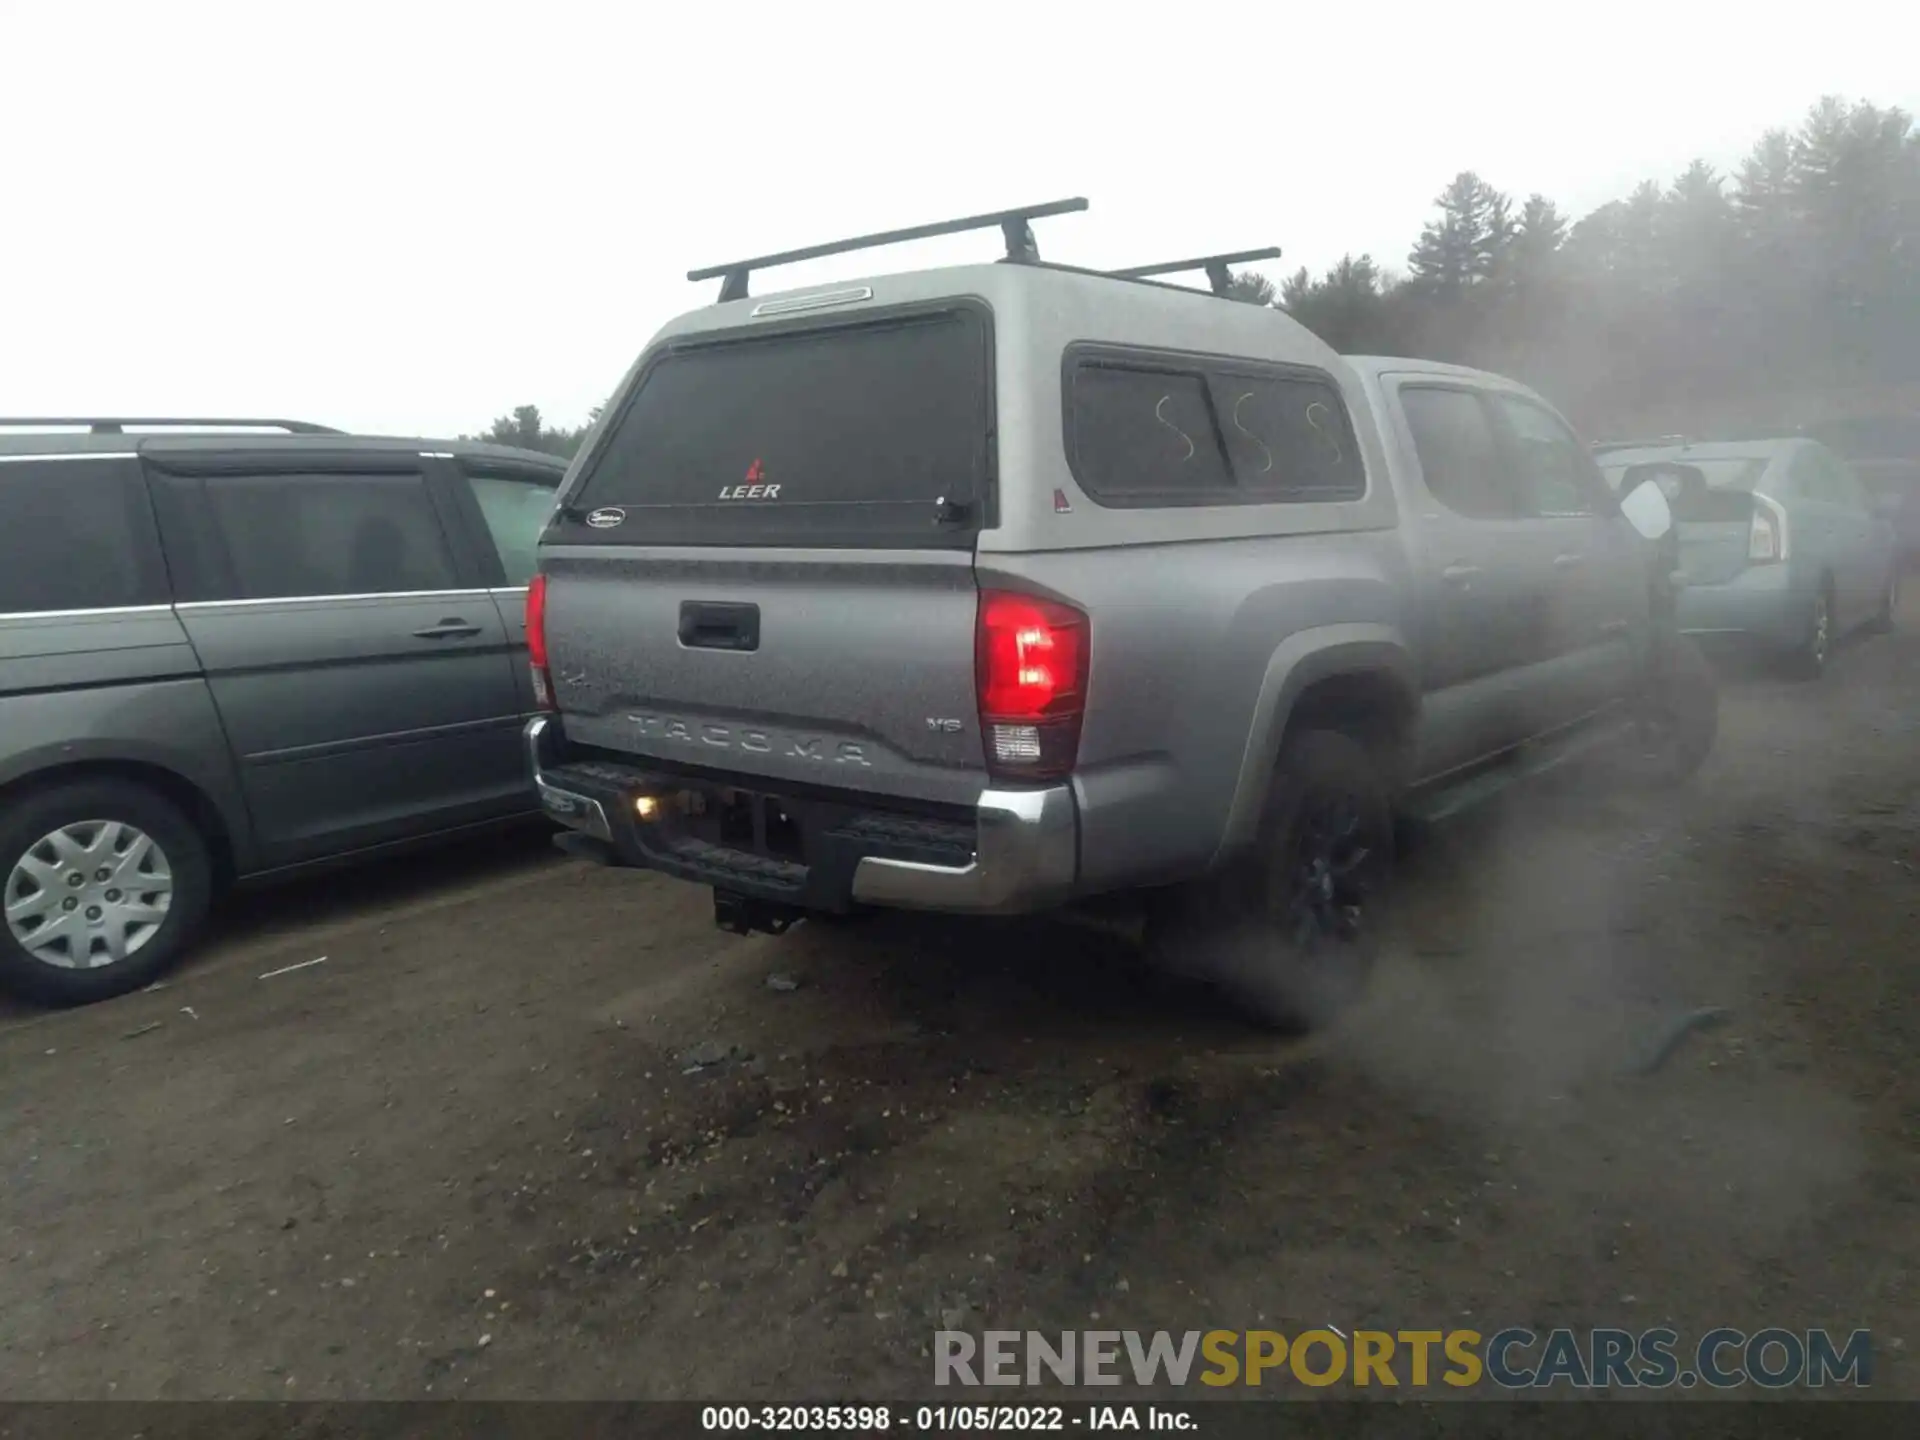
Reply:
x=1030 y=664
x=537 y=641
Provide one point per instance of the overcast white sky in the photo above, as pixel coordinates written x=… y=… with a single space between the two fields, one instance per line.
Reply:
x=410 y=216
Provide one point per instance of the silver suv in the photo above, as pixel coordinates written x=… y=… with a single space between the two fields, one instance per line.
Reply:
x=994 y=588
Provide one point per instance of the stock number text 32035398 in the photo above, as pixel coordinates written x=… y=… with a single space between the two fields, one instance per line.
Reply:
x=871 y=1419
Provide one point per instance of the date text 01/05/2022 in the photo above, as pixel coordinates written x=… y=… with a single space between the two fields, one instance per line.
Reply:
x=934 y=1419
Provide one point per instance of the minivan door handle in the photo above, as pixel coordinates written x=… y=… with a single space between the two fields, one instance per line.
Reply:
x=1567 y=560
x=719 y=625
x=1459 y=574
x=450 y=628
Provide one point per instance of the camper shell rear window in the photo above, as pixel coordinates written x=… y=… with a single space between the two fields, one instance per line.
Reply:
x=873 y=434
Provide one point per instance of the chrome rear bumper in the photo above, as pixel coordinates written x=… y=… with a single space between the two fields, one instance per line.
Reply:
x=1025 y=855
x=568 y=807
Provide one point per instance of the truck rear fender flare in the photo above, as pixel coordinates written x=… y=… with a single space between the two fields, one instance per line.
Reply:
x=1374 y=652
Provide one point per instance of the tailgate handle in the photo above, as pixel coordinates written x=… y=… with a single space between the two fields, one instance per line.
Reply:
x=719 y=625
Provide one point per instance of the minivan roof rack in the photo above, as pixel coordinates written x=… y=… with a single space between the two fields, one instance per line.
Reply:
x=1013 y=223
x=1218 y=275
x=117 y=424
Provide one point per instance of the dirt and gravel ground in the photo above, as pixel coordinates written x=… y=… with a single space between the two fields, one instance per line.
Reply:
x=465 y=1155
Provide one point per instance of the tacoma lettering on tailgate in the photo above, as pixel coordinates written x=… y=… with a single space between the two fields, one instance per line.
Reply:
x=754 y=741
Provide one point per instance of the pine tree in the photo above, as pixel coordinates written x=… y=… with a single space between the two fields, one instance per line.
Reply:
x=1252 y=287
x=1537 y=237
x=1764 y=185
x=1346 y=308
x=1464 y=244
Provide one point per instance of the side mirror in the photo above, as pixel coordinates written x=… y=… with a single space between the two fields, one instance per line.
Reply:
x=1647 y=510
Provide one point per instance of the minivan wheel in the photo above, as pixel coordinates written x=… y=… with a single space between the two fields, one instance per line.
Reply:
x=103 y=884
x=1290 y=932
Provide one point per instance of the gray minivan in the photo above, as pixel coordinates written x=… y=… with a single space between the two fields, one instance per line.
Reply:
x=228 y=654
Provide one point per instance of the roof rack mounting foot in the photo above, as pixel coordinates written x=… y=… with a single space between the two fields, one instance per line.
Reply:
x=1219 y=276
x=1015 y=225
x=1022 y=248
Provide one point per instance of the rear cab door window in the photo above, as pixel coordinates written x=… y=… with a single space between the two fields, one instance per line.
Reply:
x=362 y=675
x=1555 y=475
x=1459 y=452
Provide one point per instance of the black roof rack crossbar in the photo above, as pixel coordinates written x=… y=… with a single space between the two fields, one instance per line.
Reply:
x=1218 y=275
x=117 y=424
x=1014 y=224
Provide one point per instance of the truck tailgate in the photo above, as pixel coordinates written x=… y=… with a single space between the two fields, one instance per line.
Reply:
x=851 y=669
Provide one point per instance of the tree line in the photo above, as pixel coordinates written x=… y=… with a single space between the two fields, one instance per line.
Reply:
x=527 y=429
x=1770 y=297
x=1766 y=298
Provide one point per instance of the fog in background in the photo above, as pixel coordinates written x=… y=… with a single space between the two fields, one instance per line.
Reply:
x=415 y=217
x=1780 y=291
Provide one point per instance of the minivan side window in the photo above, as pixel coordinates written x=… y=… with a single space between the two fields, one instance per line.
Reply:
x=76 y=534
x=516 y=509
x=1146 y=431
x=292 y=536
x=1459 y=454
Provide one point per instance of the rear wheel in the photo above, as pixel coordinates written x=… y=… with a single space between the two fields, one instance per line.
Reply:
x=103 y=884
x=1809 y=662
x=1289 y=931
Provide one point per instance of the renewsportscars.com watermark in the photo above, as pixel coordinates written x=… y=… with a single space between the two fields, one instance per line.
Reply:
x=1513 y=1359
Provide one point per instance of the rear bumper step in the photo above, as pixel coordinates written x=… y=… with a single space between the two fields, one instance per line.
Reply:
x=1020 y=851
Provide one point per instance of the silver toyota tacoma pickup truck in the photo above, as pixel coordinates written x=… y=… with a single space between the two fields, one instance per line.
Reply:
x=1002 y=587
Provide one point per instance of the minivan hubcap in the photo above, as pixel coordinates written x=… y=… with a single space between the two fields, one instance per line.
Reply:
x=88 y=894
